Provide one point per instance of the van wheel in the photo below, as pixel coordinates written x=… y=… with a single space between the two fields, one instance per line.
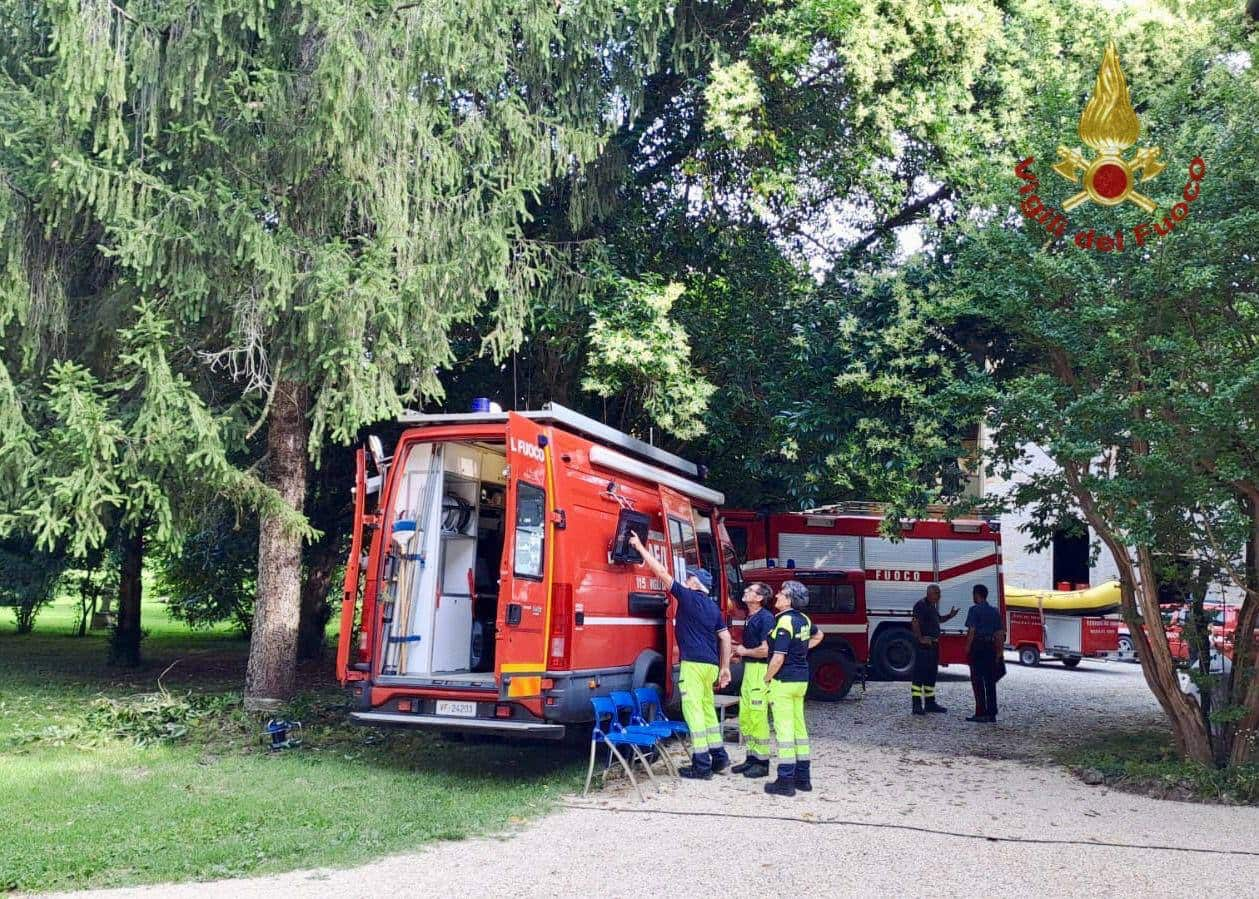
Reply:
x=1071 y=661
x=893 y=654
x=1029 y=655
x=831 y=674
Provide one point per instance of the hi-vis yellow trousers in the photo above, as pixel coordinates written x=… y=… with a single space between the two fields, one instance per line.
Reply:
x=754 y=710
x=696 y=680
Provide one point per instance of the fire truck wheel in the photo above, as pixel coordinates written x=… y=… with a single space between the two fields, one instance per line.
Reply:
x=832 y=672
x=893 y=654
x=1029 y=655
x=1071 y=661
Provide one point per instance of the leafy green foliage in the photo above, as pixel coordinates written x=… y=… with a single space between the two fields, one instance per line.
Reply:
x=29 y=580
x=213 y=575
x=633 y=340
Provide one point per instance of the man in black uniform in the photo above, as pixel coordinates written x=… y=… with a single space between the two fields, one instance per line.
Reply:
x=926 y=626
x=985 y=641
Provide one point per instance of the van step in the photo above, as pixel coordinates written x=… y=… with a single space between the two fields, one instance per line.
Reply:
x=480 y=725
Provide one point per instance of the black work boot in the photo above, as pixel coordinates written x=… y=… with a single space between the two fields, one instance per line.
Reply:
x=785 y=785
x=758 y=769
x=721 y=761
x=750 y=762
x=978 y=717
x=933 y=706
x=918 y=706
x=802 y=777
x=700 y=768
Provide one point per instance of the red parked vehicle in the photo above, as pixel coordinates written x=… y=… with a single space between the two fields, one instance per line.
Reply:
x=490 y=585
x=863 y=586
x=1069 y=638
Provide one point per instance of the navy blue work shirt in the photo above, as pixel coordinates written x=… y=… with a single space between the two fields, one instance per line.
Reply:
x=790 y=638
x=698 y=623
x=756 y=631
x=984 y=619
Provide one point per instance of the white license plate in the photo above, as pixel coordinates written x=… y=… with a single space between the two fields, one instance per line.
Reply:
x=459 y=709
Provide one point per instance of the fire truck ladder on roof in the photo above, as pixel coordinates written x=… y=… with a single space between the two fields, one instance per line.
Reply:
x=935 y=511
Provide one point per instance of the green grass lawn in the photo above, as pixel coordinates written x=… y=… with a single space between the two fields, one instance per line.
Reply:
x=1147 y=763
x=84 y=806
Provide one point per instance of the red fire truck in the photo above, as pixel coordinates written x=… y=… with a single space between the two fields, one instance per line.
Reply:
x=490 y=586
x=863 y=585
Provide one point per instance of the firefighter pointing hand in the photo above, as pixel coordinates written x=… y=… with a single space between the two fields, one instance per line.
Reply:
x=926 y=628
x=704 y=644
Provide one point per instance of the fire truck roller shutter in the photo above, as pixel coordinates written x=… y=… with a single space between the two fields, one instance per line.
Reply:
x=963 y=564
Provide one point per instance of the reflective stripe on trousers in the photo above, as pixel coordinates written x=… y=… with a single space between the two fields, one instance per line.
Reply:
x=787 y=700
x=754 y=710
x=695 y=680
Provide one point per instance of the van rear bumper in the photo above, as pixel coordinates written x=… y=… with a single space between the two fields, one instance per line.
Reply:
x=505 y=727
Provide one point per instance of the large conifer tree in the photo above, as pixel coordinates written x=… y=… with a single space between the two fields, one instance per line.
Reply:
x=304 y=195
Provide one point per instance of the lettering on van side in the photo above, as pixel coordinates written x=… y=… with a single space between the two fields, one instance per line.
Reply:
x=895 y=574
x=529 y=450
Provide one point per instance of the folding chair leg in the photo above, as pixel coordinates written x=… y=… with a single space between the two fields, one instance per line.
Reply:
x=651 y=775
x=590 y=771
x=624 y=764
x=663 y=748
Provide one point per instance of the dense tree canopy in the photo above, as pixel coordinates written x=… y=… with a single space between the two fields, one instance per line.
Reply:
x=783 y=238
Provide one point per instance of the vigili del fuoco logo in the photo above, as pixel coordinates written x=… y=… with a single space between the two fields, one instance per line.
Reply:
x=1109 y=125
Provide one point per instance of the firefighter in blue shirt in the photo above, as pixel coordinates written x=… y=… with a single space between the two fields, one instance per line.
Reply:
x=704 y=644
x=754 y=693
x=788 y=679
x=985 y=642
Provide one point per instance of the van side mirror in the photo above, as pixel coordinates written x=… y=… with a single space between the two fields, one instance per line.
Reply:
x=628 y=522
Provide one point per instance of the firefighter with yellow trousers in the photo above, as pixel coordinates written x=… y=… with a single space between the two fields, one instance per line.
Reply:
x=704 y=645
x=787 y=677
x=754 y=695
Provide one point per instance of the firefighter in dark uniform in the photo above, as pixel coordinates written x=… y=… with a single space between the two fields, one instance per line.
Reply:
x=926 y=626
x=704 y=645
x=754 y=695
x=788 y=679
x=985 y=641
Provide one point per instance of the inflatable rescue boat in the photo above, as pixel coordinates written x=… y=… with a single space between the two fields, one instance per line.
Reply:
x=1100 y=600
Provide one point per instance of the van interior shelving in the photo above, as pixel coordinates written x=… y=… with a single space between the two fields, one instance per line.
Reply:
x=448 y=531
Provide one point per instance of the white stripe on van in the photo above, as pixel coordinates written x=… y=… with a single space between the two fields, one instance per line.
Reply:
x=842 y=628
x=620 y=622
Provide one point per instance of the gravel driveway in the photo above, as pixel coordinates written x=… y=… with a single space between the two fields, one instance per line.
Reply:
x=902 y=806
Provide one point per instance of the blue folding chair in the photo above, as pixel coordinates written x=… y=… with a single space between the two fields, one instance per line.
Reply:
x=613 y=736
x=627 y=715
x=651 y=710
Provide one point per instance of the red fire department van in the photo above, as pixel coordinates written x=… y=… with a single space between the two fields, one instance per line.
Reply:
x=863 y=586
x=490 y=586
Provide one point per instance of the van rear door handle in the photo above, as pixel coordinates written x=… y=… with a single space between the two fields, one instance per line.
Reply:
x=513 y=613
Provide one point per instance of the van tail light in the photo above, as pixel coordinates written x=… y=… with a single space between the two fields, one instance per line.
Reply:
x=561 y=636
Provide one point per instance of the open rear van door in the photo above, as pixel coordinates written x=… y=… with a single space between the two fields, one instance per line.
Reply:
x=527 y=570
x=681 y=550
x=353 y=566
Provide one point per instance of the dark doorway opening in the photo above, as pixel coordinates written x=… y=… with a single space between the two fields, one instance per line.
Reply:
x=1071 y=555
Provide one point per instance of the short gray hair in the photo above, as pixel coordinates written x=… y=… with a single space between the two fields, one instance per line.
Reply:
x=798 y=593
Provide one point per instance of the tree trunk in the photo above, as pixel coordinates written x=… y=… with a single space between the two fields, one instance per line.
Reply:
x=125 y=645
x=321 y=563
x=269 y=678
x=1138 y=590
x=1244 y=685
